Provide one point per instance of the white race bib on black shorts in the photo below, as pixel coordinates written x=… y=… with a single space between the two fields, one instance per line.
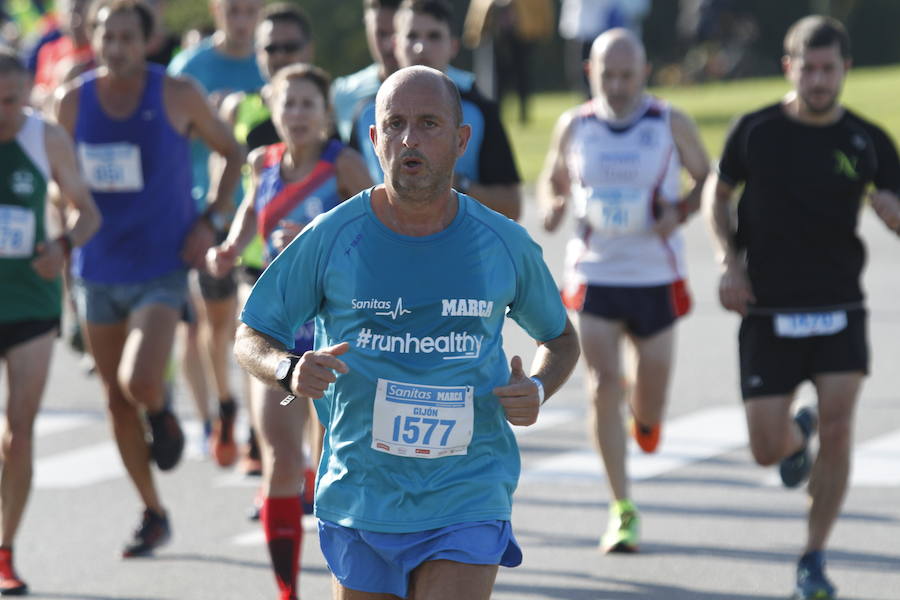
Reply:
x=802 y=325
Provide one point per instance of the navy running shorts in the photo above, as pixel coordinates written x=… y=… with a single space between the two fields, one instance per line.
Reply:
x=217 y=288
x=645 y=310
x=774 y=364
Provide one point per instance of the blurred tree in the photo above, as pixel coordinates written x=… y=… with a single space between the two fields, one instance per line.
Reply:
x=341 y=45
x=337 y=29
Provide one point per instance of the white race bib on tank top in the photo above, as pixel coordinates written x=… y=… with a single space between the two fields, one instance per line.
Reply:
x=616 y=174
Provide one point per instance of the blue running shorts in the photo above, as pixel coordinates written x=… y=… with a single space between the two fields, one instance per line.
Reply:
x=381 y=563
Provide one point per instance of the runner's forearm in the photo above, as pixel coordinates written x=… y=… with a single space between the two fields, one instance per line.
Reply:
x=258 y=354
x=555 y=359
x=717 y=206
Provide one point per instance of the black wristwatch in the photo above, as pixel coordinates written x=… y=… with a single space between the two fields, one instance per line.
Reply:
x=285 y=370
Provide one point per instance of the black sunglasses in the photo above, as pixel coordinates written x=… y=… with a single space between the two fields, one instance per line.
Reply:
x=286 y=47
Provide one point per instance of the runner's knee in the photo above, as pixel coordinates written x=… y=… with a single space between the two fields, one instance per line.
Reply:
x=17 y=444
x=835 y=436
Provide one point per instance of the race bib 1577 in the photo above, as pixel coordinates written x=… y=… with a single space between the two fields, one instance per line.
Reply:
x=422 y=421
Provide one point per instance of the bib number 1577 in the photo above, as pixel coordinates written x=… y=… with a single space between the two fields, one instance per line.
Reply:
x=422 y=421
x=415 y=430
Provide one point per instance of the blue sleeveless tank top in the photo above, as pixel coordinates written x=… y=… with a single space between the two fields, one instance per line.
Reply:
x=139 y=171
x=301 y=201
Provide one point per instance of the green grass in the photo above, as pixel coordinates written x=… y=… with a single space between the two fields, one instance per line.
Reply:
x=871 y=92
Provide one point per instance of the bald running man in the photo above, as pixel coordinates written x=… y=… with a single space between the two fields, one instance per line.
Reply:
x=619 y=158
x=408 y=375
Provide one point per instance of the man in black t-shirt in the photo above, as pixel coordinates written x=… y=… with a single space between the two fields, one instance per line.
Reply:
x=792 y=268
x=487 y=171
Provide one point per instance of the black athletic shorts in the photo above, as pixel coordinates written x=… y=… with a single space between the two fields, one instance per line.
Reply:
x=217 y=288
x=19 y=332
x=248 y=275
x=645 y=311
x=774 y=365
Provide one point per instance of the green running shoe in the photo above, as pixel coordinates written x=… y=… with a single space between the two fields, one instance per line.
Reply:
x=622 y=531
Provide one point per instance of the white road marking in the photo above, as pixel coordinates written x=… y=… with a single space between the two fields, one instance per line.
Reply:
x=686 y=439
x=49 y=423
x=79 y=468
x=690 y=438
x=876 y=462
x=258 y=538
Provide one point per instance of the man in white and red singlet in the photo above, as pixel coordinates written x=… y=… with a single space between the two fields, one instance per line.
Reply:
x=619 y=159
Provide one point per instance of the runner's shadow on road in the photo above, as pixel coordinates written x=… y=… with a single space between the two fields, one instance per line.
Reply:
x=523 y=500
x=538 y=539
x=712 y=480
x=650 y=591
x=37 y=595
x=233 y=562
x=836 y=558
x=640 y=591
x=705 y=511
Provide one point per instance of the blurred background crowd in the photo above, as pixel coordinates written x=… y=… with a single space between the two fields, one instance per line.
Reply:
x=516 y=46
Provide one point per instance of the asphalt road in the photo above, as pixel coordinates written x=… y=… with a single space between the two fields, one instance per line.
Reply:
x=715 y=525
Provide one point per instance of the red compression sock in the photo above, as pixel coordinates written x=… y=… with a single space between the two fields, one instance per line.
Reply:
x=284 y=534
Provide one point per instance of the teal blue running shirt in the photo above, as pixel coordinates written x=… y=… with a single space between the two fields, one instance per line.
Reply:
x=415 y=439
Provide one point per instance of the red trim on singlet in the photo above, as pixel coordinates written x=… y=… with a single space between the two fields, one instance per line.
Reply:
x=292 y=194
x=273 y=155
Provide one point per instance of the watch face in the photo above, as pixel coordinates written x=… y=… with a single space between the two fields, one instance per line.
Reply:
x=283 y=368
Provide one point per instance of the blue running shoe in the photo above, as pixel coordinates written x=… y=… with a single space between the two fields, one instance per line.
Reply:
x=795 y=469
x=811 y=581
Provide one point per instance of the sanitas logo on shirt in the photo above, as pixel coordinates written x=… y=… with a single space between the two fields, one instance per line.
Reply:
x=383 y=308
x=466 y=307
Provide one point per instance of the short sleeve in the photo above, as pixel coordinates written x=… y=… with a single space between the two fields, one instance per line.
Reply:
x=289 y=292
x=733 y=166
x=496 y=164
x=176 y=66
x=537 y=306
x=887 y=175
